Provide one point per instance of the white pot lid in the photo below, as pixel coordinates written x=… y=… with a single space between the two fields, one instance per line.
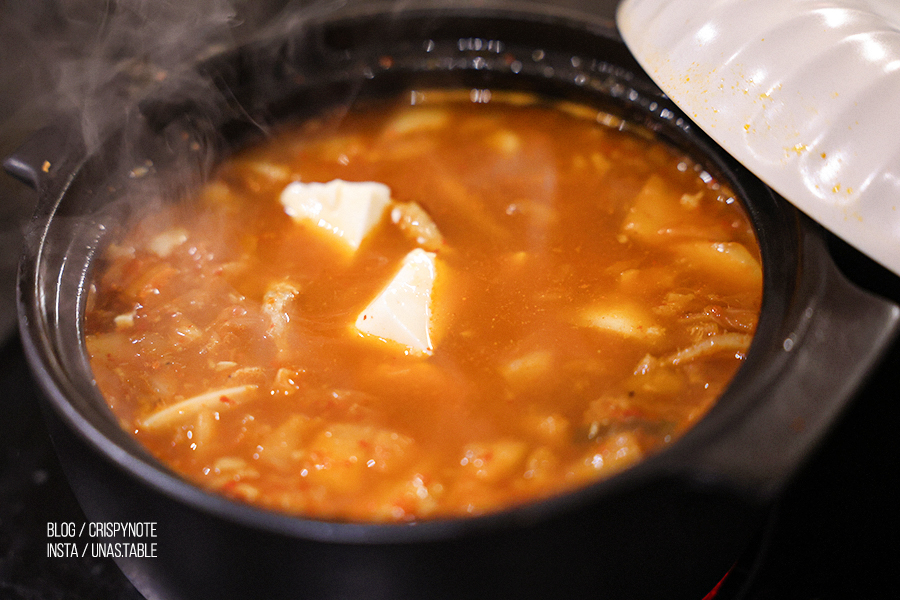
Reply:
x=804 y=93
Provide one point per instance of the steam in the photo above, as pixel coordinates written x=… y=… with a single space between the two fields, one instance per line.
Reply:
x=100 y=63
x=113 y=52
x=96 y=61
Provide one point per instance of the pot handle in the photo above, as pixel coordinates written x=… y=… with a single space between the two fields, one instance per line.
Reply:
x=841 y=335
x=50 y=153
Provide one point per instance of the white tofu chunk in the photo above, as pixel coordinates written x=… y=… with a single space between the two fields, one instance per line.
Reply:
x=401 y=312
x=347 y=209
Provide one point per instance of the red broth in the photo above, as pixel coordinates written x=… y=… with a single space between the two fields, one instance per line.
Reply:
x=594 y=292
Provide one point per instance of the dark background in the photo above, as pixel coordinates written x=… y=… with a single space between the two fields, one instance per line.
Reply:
x=835 y=533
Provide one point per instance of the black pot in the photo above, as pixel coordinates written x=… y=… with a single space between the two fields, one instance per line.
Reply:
x=670 y=526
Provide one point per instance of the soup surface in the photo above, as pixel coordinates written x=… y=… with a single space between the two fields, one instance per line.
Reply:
x=539 y=297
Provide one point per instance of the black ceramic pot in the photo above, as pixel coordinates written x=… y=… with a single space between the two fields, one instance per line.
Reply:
x=671 y=526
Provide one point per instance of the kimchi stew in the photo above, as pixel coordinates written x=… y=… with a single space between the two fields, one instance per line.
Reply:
x=437 y=306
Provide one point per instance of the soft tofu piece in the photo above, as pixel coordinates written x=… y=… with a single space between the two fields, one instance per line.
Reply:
x=401 y=312
x=420 y=120
x=347 y=209
x=163 y=244
x=526 y=370
x=656 y=214
x=627 y=321
x=730 y=263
